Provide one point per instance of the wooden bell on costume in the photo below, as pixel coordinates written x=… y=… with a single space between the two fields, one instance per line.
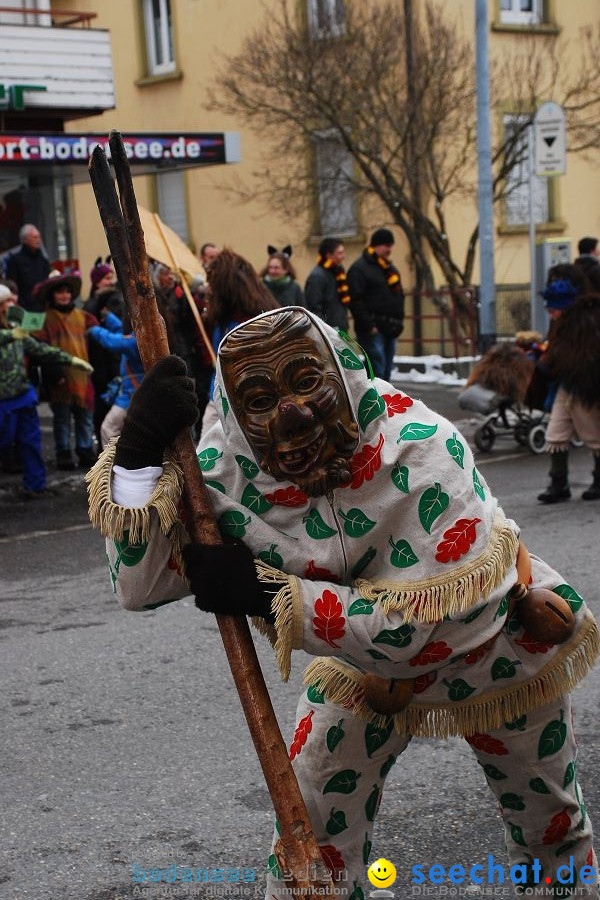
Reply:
x=388 y=695
x=543 y=614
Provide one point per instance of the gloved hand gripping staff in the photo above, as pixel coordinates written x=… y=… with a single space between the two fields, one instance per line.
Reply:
x=297 y=850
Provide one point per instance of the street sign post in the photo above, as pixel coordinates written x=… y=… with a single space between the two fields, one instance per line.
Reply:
x=550 y=140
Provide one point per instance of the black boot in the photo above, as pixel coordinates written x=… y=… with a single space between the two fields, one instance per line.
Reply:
x=558 y=489
x=593 y=492
x=87 y=458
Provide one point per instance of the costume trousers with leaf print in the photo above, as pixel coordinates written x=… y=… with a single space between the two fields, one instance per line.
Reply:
x=341 y=763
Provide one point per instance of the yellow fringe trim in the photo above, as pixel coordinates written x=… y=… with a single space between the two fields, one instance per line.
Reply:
x=430 y=599
x=113 y=520
x=344 y=686
x=287 y=609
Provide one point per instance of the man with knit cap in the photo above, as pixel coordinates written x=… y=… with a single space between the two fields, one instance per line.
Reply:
x=377 y=302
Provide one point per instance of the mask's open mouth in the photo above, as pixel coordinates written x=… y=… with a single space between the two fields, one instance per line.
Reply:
x=300 y=460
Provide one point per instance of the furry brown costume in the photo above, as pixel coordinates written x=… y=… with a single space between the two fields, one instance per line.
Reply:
x=505 y=369
x=574 y=354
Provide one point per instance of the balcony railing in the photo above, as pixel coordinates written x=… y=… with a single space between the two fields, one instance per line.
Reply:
x=52 y=18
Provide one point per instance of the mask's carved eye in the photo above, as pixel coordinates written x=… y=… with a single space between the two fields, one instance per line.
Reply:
x=260 y=403
x=308 y=382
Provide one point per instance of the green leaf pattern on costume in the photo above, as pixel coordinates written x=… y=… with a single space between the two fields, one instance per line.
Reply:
x=314 y=694
x=517 y=724
x=377 y=737
x=334 y=735
x=494 y=773
x=375 y=654
x=248 y=466
x=371 y=406
x=512 y=801
x=569 y=774
x=359 y=567
x=357 y=893
x=516 y=833
x=208 y=458
x=432 y=504
x=343 y=782
x=400 y=478
x=416 y=431
x=356 y=523
x=215 y=484
x=372 y=803
x=336 y=822
x=361 y=607
x=224 y=403
x=570 y=595
x=539 y=786
x=273 y=867
x=504 y=668
x=271 y=557
x=403 y=555
x=458 y=689
x=456 y=449
x=477 y=485
x=348 y=359
x=396 y=637
x=234 y=523
x=253 y=500
x=316 y=527
x=473 y=615
x=129 y=554
x=552 y=737
x=502 y=607
x=387 y=765
x=366 y=850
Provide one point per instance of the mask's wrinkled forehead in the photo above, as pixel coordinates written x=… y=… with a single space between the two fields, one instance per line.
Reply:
x=266 y=336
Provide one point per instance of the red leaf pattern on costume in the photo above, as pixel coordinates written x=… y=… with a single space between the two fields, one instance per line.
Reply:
x=486 y=743
x=364 y=464
x=316 y=573
x=396 y=403
x=558 y=828
x=290 y=496
x=329 y=622
x=431 y=653
x=457 y=540
x=589 y=860
x=532 y=646
x=301 y=734
x=422 y=682
x=334 y=861
x=478 y=653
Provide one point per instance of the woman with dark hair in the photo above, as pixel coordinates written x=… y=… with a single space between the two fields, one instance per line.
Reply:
x=235 y=294
x=279 y=276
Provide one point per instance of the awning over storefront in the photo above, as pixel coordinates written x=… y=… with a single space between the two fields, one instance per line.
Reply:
x=148 y=153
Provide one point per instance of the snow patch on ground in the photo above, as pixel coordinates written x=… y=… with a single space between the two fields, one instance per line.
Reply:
x=434 y=369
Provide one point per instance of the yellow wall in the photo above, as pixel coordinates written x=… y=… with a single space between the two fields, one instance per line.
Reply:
x=203 y=30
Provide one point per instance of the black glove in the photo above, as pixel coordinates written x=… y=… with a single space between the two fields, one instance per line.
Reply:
x=164 y=404
x=223 y=580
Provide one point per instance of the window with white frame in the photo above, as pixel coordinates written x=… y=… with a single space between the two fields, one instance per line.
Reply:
x=517 y=185
x=326 y=18
x=171 y=202
x=521 y=12
x=159 y=36
x=336 y=194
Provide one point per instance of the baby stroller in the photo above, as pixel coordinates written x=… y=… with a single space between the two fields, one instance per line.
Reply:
x=503 y=387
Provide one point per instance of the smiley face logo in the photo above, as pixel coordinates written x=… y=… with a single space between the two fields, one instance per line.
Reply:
x=382 y=873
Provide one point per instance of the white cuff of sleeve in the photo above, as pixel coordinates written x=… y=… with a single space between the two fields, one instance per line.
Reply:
x=134 y=487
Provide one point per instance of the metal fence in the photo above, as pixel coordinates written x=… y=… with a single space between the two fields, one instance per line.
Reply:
x=513 y=309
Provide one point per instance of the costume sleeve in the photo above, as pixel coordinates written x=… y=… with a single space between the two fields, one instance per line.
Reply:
x=111 y=340
x=143 y=543
x=359 y=306
x=326 y=619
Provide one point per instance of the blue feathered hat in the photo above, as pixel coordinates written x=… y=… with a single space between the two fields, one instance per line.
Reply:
x=559 y=294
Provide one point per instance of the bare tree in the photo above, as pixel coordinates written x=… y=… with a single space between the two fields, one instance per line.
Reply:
x=411 y=140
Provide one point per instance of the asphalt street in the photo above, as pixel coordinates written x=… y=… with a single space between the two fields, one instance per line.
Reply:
x=123 y=744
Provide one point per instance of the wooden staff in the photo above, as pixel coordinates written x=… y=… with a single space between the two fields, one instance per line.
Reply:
x=296 y=850
x=186 y=290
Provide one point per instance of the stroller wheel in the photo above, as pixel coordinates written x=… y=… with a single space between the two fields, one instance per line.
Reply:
x=537 y=438
x=484 y=438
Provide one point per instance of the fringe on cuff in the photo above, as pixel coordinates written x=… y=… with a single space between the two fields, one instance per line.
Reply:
x=286 y=634
x=430 y=599
x=344 y=685
x=113 y=520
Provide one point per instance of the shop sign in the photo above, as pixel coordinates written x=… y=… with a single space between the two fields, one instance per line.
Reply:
x=140 y=148
x=12 y=96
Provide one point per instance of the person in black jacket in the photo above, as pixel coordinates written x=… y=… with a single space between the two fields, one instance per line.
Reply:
x=377 y=302
x=589 y=260
x=326 y=289
x=28 y=266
